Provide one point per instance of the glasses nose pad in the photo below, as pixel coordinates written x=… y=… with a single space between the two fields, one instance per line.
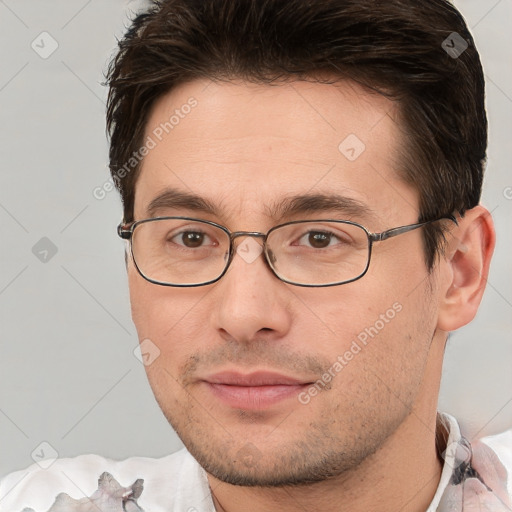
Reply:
x=271 y=256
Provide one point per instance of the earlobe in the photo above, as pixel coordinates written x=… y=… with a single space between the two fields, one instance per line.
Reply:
x=466 y=261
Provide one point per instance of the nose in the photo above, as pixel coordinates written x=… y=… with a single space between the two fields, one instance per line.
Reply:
x=250 y=302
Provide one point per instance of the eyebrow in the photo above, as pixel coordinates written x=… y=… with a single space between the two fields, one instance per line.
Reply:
x=177 y=199
x=320 y=202
x=289 y=206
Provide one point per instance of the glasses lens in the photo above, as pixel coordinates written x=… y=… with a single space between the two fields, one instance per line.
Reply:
x=318 y=252
x=179 y=251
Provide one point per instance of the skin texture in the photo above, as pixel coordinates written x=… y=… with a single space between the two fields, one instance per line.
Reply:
x=368 y=437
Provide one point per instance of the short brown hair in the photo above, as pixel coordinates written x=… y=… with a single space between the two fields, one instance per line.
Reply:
x=399 y=48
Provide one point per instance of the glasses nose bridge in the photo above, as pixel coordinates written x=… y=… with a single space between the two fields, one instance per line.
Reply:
x=256 y=234
x=238 y=234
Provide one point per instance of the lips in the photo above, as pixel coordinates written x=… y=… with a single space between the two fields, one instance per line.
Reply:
x=253 y=379
x=258 y=390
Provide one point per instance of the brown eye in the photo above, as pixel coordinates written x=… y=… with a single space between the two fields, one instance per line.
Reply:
x=322 y=238
x=191 y=236
x=192 y=239
x=319 y=240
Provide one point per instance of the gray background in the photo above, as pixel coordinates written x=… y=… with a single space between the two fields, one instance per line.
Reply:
x=68 y=372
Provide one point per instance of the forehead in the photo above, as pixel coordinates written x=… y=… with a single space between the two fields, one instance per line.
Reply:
x=245 y=147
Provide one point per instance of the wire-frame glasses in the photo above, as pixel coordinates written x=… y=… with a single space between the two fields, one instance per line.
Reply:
x=184 y=251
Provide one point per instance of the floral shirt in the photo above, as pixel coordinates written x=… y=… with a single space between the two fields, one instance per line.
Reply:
x=476 y=477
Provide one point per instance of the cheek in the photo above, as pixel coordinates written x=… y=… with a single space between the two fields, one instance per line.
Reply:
x=151 y=307
x=167 y=316
x=384 y=326
x=379 y=356
x=141 y=302
x=352 y=309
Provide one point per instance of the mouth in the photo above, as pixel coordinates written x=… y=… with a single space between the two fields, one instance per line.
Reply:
x=255 y=391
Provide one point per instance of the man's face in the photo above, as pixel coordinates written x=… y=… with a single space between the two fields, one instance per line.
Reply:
x=239 y=358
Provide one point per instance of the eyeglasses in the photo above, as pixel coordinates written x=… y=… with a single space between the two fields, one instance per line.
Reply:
x=183 y=251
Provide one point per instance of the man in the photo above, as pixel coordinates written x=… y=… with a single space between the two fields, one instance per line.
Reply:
x=300 y=184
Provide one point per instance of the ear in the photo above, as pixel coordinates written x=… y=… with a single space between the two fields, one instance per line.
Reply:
x=464 y=268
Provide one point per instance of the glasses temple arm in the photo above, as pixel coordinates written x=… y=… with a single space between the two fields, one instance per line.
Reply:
x=377 y=237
